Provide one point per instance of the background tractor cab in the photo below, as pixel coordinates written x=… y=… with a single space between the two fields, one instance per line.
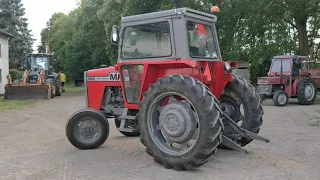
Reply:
x=39 y=62
x=289 y=77
x=171 y=88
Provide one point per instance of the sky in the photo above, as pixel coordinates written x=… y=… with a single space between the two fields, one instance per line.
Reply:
x=38 y=12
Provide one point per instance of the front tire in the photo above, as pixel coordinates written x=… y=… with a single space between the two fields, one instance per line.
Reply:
x=175 y=111
x=239 y=93
x=87 y=129
x=306 y=91
x=280 y=98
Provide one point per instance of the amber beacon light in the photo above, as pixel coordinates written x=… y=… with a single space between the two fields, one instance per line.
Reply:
x=215 y=9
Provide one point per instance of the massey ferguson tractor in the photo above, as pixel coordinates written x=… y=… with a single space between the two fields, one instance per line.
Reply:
x=290 y=77
x=171 y=88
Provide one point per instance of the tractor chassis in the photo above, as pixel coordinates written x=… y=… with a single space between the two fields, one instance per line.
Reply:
x=226 y=141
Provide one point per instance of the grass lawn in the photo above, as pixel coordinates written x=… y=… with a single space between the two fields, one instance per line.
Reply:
x=71 y=89
x=8 y=105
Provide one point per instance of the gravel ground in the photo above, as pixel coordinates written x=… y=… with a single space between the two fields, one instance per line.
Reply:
x=33 y=145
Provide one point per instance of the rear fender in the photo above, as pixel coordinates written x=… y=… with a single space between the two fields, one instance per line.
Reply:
x=152 y=71
x=295 y=84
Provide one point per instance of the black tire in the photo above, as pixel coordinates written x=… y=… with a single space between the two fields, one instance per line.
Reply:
x=303 y=100
x=53 y=94
x=253 y=111
x=204 y=104
x=51 y=82
x=58 y=87
x=276 y=96
x=99 y=120
x=128 y=134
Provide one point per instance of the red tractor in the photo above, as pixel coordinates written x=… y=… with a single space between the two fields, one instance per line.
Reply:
x=171 y=88
x=290 y=76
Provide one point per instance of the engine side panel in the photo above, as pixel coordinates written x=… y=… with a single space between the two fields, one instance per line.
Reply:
x=96 y=82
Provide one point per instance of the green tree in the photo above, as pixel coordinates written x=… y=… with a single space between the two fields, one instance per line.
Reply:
x=13 y=21
x=45 y=32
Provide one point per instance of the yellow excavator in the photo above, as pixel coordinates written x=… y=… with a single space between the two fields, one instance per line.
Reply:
x=39 y=80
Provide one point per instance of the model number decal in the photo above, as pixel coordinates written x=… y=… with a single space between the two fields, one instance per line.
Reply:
x=112 y=77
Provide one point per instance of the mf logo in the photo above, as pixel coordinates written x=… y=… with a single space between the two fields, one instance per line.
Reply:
x=114 y=77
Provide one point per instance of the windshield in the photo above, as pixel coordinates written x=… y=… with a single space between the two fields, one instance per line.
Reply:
x=146 y=41
x=276 y=65
x=200 y=39
x=40 y=62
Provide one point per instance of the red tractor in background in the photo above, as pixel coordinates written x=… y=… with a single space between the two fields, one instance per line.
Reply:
x=290 y=77
x=171 y=88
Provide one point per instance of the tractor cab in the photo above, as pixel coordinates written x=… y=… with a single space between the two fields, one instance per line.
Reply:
x=39 y=61
x=167 y=35
x=36 y=63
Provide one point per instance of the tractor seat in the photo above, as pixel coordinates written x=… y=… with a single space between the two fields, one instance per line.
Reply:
x=295 y=72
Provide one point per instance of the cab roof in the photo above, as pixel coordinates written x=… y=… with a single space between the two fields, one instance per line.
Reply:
x=171 y=13
x=37 y=54
x=290 y=57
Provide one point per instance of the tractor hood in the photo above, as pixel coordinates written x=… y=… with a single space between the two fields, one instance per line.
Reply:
x=271 y=80
x=103 y=74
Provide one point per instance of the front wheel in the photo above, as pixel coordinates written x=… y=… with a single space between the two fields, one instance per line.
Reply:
x=181 y=122
x=243 y=105
x=87 y=129
x=280 y=98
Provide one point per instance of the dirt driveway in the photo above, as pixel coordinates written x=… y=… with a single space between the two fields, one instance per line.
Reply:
x=33 y=146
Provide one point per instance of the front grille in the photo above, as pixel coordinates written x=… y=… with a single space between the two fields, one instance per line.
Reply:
x=265 y=89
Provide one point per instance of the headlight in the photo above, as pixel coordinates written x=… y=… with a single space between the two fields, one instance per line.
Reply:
x=227 y=66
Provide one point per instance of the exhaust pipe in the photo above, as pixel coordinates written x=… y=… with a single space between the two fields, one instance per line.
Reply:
x=176 y=4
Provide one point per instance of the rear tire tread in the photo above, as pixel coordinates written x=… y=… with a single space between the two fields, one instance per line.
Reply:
x=300 y=91
x=203 y=98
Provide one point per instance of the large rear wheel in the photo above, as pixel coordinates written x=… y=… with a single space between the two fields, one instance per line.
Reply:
x=180 y=122
x=242 y=104
x=306 y=91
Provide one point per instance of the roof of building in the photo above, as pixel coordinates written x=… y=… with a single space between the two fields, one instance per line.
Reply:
x=6 y=33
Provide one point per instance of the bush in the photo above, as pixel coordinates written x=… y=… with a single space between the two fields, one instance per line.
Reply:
x=15 y=73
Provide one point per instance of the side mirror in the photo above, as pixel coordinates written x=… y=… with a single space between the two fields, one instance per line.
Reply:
x=115 y=35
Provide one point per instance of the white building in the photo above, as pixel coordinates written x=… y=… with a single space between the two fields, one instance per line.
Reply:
x=4 y=59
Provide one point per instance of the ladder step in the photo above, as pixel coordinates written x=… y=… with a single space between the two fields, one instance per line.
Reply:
x=127 y=130
x=128 y=117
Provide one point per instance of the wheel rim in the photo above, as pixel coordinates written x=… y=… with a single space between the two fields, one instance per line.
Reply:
x=309 y=91
x=87 y=130
x=232 y=106
x=173 y=124
x=282 y=98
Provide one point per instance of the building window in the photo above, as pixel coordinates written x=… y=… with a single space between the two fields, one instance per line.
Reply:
x=0 y=76
x=0 y=50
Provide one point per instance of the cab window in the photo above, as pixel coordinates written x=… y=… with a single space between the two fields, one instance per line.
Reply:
x=146 y=41
x=201 y=41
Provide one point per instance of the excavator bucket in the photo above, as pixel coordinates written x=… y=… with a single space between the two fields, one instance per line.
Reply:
x=27 y=91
